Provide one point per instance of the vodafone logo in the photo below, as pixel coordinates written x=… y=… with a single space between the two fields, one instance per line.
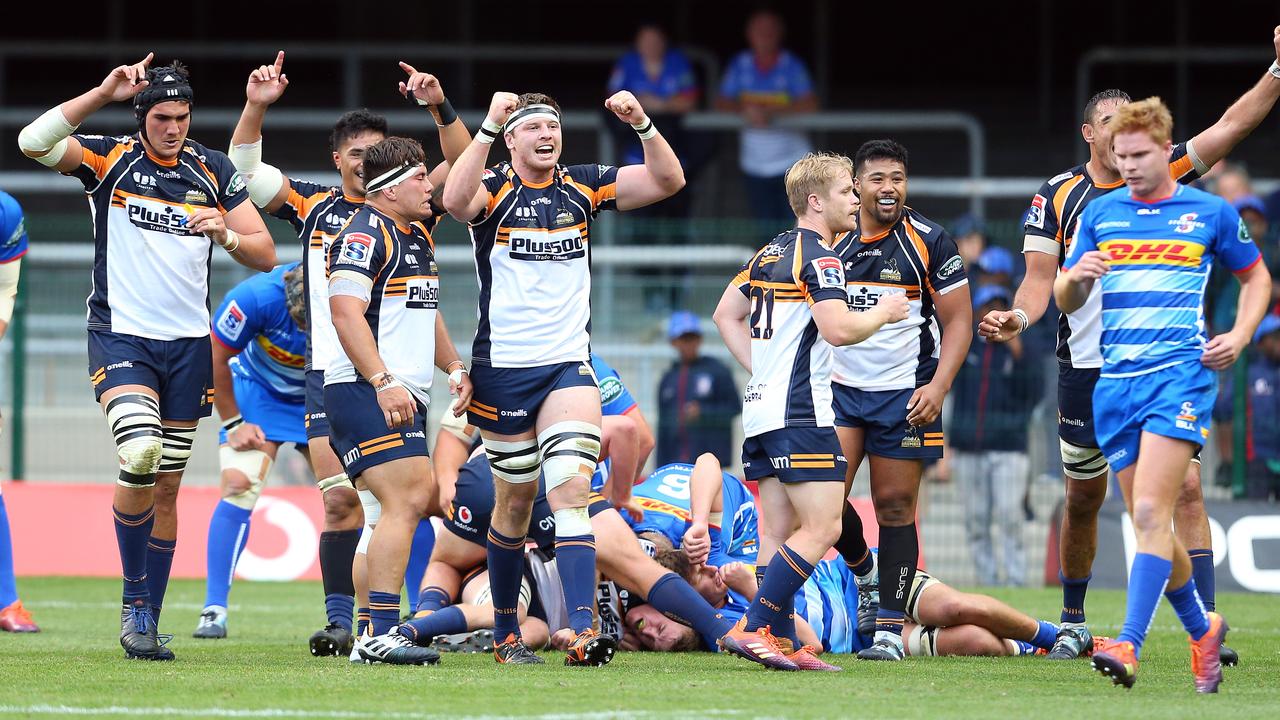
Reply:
x=464 y=515
x=275 y=557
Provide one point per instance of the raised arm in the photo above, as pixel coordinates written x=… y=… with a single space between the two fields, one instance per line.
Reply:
x=268 y=187
x=464 y=196
x=1240 y=119
x=706 y=504
x=661 y=175
x=454 y=139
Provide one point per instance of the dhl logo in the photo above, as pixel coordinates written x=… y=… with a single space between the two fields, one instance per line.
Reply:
x=280 y=355
x=1181 y=253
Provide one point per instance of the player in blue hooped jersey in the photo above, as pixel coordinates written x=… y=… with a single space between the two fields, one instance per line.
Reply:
x=258 y=369
x=630 y=439
x=1151 y=247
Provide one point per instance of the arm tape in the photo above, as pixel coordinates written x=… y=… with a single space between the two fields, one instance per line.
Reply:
x=349 y=284
x=1196 y=162
x=262 y=180
x=46 y=136
x=9 y=273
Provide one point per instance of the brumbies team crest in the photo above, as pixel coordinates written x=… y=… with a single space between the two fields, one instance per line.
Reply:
x=912 y=438
x=890 y=271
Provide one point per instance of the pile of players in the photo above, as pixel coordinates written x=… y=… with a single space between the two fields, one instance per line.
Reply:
x=852 y=326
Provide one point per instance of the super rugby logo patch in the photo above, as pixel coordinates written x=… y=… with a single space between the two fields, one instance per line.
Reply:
x=1035 y=214
x=830 y=272
x=231 y=322
x=357 y=249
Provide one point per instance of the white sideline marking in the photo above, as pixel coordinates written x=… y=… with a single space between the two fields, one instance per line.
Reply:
x=340 y=714
x=80 y=605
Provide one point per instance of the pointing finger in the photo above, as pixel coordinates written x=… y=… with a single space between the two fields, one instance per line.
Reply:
x=407 y=67
x=279 y=62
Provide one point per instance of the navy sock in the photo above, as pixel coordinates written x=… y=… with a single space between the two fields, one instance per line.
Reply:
x=899 y=553
x=445 y=621
x=362 y=620
x=852 y=545
x=132 y=532
x=1045 y=636
x=8 y=583
x=787 y=571
x=1186 y=603
x=1147 y=579
x=159 y=563
x=506 y=563
x=1073 y=591
x=576 y=561
x=432 y=598
x=1202 y=572
x=676 y=599
x=424 y=538
x=384 y=611
x=337 y=555
x=228 y=533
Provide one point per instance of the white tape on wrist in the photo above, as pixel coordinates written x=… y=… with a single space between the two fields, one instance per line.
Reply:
x=645 y=130
x=232 y=242
x=455 y=377
x=1023 y=322
x=1274 y=69
x=392 y=383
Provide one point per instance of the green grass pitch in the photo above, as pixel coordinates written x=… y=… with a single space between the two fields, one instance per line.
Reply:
x=75 y=668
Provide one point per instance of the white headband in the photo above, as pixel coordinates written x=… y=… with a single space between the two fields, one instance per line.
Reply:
x=392 y=177
x=531 y=112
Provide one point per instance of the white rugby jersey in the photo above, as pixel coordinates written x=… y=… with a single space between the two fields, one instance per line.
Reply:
x=404 y=297
x=533 y=262
x=318 y=213
x=790 y=382
x=150 y=272
x=915 y=256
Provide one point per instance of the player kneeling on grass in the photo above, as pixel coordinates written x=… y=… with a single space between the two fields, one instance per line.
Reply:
x=260 y=334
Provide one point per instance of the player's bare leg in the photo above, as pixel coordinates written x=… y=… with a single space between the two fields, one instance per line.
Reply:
x=343 y=522
x=895 y=488
x=1077 y=546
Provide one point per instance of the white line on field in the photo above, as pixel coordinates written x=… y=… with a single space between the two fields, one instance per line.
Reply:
x=78 y=605
x=337 y=714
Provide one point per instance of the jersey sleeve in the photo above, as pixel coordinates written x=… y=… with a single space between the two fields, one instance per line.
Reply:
x=302 y=198
x=1181 y=167
x=615 y=398
x=731 y=83
x=1085 y=239
x=1232 y=241
x=946 y=267
x=239 y=318
x=601 y=183
x=742 y=280
x=819 y=273
x=495 y=183
x=13 y=230
x=99 y=154
x=1040 y=224
x=361 y=251
x=231 y=185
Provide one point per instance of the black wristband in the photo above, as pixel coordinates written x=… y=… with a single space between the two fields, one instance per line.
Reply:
x=444 y=113
x=233 y=423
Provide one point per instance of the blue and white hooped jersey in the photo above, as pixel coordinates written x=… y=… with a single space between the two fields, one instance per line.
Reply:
x=254 y=318
x=13 y=229
x=150 y=271
x=615 y=399
x=828 y=601
x=1161 y=255
x=665 y=497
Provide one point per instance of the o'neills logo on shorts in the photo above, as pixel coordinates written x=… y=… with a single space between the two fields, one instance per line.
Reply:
x=514 y=413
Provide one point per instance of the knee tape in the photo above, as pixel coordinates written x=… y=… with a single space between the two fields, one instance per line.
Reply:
x=255 y=465
x=362 y=547
x=572 y=521
x=372 y=509
x=569 y=449
x=177 y=448
x=923 y=641
x=513 y=462
x=135 y=423
x=337 y=481
x=1081 y=463
x=485 y=596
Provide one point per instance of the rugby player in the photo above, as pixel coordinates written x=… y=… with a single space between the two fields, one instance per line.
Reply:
x=260 y=338
x=772 y=315
x=537 y=404
x=13 y=245
x=317 y=213
x=1049 y=229
x=1150 y=247
x=384 y=294
x=888 y=390
x=160 y=202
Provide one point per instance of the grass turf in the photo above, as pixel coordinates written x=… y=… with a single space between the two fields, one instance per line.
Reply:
x=75 y=668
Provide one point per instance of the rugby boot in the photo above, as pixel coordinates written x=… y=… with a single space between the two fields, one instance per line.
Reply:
x=1230 y=658
x=213 y=623
x=479 y=641
x=1206 y=657
x=332 y=640
x=17 y=619
x=868 y=602
x=1119 y=661
x=513 y=651
x=1073 y=641
x=806 y=658
x=138 y=634
x=590 y=649
x=395 y=649
x=888 y=648
x=758 y=646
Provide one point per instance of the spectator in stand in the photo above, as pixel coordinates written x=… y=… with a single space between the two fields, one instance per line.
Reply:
x=1223 y=288
x=661 y=78
x=1262 y=416
x=996 y=266
x=993 y=397
x=764 y=83
x=971 y=240
x=1230 y=181
x=697 y=398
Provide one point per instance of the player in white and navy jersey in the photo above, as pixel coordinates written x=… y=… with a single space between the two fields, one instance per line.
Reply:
x=1150 y=247
x=159 y=203
x=888 y=390
x=384 y=296
x=780 y=317
x=317 y=213
x=1049 y=229
x=537 y=404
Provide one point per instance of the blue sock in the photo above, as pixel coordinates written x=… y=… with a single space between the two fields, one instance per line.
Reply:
x=8 y=583
x=506 y=565
x=362 y=620
x=1186 y=603
x=676 y=599
x=337 y=554
x=424 y=538
x=890 y=621
x=228 y=532
x=787 y=571
x=1147 y=579
x=1024 y=648
x=159 y=563
x=1202 y=572
x=132 y=532
x=432 y=598
x=1046 y=634
x=863 y=566
x=1073 y=591
x=384 y=611
x=786 y=623
x=576 y=561
x=338 y=608
x=445 y=621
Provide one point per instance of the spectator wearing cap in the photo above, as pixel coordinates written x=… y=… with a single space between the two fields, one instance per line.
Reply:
x=697 y=398
x=971 y=239
x=1262 y=415
x=1224 y=291
x=996 y=266
x=993 y=397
